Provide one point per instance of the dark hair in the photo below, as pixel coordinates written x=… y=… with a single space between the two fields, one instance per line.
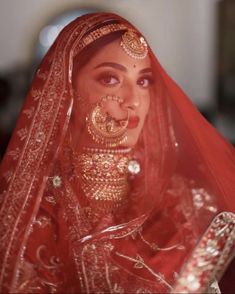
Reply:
x=92 y=49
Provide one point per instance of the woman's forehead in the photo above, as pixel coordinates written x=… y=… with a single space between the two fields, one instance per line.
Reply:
x=113 y=52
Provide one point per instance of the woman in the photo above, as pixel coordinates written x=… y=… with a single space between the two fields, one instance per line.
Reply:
x=113 y=182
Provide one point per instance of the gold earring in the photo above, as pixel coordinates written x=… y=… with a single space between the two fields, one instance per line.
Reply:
x=105 y=129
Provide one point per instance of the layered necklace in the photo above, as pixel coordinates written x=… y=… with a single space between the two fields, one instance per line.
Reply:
x=103 y=175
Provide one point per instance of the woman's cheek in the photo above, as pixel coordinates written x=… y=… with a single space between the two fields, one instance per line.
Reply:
x=148 y=100
x=145 y=103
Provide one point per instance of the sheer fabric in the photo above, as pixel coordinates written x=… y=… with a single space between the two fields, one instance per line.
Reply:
x=176 y=233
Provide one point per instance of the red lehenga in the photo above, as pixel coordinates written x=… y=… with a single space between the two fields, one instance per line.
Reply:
x=175 y=234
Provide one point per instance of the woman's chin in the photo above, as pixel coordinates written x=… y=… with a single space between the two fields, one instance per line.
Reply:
x=130 y=142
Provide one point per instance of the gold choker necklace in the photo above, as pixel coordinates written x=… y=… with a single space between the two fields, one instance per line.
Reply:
x=103 y=176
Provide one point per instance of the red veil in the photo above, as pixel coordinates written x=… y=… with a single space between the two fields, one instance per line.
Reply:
x=177 y=233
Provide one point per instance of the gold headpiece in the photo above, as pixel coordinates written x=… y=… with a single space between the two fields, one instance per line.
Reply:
x=135 y=46
x=98 y=33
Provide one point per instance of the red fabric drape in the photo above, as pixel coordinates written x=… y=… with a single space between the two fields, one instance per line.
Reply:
x=49 y=241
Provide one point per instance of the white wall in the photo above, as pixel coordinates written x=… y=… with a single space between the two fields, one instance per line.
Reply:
x=181 y=32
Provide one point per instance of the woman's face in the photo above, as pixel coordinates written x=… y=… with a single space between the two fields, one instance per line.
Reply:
x=112 y=72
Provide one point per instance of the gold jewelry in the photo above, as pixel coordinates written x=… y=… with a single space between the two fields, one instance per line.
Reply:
x=103 y=128
x=108 y=151
x=133 y=166
x=98 y=33
x=135 y=46
x=103 y=175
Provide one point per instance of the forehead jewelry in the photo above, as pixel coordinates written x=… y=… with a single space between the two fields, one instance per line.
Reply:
x=135 y=46
x=105 y=129
x=99 y=33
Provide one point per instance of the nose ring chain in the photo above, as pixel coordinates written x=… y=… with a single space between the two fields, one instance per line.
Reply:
x=103 y=127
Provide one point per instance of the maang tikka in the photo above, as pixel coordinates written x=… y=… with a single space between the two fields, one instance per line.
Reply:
x=105 y=129
x=135 y=46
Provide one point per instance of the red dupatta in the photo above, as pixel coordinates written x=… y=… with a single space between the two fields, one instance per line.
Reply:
x=48 y=242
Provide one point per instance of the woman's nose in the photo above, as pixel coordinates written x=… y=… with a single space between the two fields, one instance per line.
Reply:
x=131 y=98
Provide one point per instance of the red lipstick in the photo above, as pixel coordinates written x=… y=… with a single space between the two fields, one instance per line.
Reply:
x=133 y=122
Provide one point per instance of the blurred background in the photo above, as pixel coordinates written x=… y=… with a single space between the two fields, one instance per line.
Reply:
x=194 y=41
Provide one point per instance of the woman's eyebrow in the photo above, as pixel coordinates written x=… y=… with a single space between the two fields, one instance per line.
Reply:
x=112 y=64
x=121 y=67
x=146 y=70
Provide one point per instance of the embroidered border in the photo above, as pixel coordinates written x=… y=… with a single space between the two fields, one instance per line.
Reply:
x=210 y=257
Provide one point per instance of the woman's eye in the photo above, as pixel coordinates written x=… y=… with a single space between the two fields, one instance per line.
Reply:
x=145 y=82
x=109 y=80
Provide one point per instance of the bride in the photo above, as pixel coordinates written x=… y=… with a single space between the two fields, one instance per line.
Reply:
x=113 y=182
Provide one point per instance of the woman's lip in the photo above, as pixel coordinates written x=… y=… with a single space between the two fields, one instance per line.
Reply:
x=133 y=122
